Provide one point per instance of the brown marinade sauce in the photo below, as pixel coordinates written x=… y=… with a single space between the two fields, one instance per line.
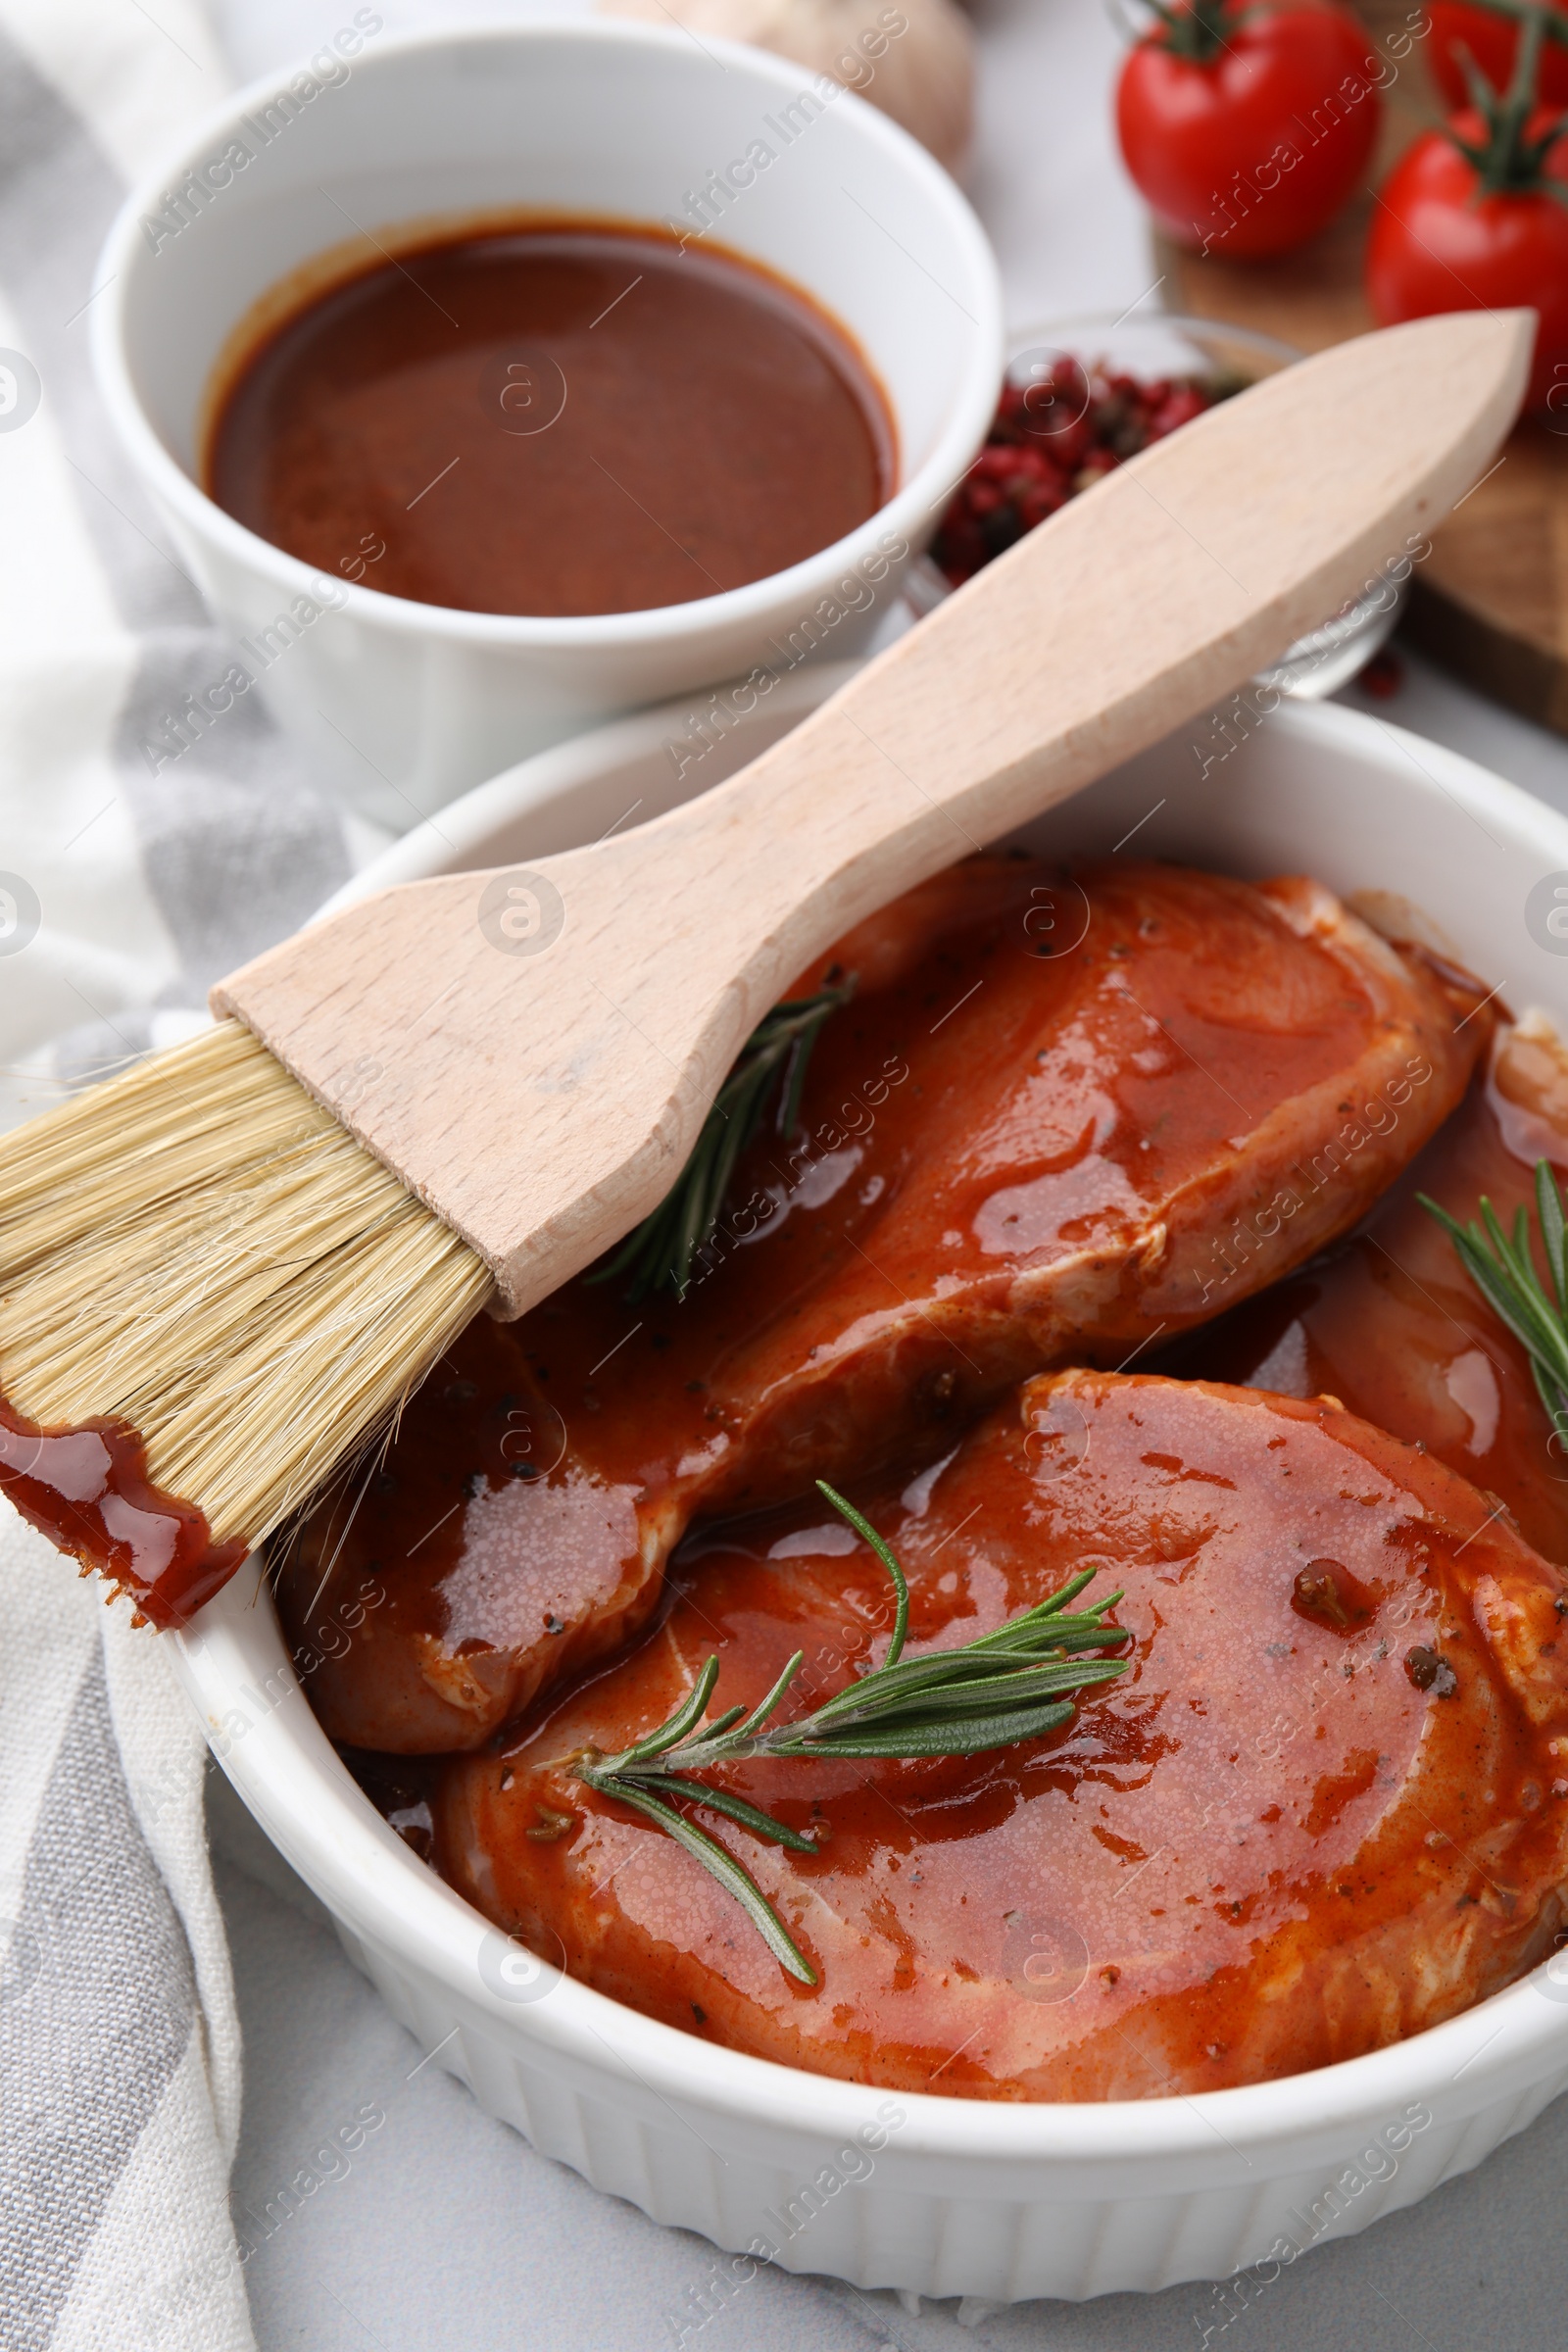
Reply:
x=555 y=419
x=88 y=1490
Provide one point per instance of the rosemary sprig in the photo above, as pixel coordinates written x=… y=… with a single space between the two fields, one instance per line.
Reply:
x=1003 y=1687
x=657 y=1253
x=1503 y=1271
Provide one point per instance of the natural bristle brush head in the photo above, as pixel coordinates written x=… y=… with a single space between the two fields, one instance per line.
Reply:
x=197 y=1250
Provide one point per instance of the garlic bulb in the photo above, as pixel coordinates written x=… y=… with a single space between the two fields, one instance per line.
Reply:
x=912 y=58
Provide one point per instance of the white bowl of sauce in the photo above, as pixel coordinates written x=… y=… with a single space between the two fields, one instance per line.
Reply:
x=941 y=2195
x=492 y=382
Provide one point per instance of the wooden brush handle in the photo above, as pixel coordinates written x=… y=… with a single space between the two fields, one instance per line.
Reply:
x=533 y=1053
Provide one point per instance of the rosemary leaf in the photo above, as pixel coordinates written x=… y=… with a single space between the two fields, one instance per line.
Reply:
x=884 y=1552
x=1509 y=1282
x=728 y=1872
x=670 y=1734
x=1003 y=1686
x=1503 y=1271
x=940 y=1687
x=759 y=1714
x=1548 y=1208
x=660 y=1252
x=946 y=1707
x=968 y=1739
x=736 y=1808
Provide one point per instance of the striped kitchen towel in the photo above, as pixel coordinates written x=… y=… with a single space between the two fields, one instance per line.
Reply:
x=126 y=884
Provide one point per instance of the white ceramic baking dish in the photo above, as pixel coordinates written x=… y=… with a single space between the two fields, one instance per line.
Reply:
x=944 y=2196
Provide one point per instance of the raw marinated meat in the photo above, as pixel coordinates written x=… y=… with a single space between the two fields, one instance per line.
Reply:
x=1062 y=1119
x=1326 y=1807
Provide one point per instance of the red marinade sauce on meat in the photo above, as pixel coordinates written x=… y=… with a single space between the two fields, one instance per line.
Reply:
x=1390 y=1323
x=1024 y=1141
x=1285 y=1837
x=88 y=1490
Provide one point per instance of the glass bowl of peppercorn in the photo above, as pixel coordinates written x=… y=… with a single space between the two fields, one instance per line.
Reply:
x=1080 y=397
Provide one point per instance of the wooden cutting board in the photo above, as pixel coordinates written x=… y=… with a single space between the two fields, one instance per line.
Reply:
x=1491 y=602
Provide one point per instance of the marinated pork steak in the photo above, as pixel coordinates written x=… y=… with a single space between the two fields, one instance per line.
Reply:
x=1391 y=1325
x=1060 y=1119
x=1324 y=1809
x=483 y=1560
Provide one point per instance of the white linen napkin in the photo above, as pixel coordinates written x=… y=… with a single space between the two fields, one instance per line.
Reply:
x=119 y=2053
x=126 y=886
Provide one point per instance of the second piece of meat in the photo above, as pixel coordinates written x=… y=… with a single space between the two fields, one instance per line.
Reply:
x=1324 y=1809
x=1391 y=1325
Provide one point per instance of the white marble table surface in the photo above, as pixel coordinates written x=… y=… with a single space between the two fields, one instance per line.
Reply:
x=449 y=2234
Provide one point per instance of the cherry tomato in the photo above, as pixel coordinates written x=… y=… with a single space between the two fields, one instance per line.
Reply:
x=1248 y=127
x=1435 y=246
x=1493 y=43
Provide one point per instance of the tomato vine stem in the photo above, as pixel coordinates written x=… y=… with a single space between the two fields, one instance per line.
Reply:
x=1199 y=32
x=1508 y=160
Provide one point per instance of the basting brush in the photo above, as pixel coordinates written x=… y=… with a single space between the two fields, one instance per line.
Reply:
x=222 y=1271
